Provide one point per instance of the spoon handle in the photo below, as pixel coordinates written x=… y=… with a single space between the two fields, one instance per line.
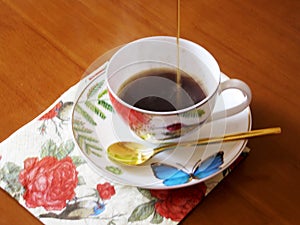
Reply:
x=225 y=138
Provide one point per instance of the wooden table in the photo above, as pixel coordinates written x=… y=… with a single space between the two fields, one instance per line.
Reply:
x=45 y=47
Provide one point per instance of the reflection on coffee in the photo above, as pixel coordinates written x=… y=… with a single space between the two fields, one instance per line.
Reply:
x=157 y=90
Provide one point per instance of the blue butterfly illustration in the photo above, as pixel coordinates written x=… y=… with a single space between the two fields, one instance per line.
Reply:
x=173 y=176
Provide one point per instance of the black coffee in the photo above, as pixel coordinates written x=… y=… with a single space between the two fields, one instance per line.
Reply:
x=157 y=90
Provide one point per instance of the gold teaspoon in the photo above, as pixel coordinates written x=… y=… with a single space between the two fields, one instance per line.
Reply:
x=131 y=153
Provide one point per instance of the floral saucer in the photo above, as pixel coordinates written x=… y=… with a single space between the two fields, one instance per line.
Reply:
x=95 y=126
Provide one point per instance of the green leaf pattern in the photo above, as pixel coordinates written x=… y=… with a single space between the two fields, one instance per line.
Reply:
x=145 y=210
x=146 y=193
x=95 y=89
x=95 y=109
x=142 y=212
x=9 y=175
x=156 y=219
x=96 y=103
x=51 y=149
x=85 y=114
x=86 y=140
x=114 y=170
x=101 y=100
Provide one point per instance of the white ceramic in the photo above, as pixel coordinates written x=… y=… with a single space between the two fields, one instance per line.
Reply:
x=161 y=52
x=95 y=126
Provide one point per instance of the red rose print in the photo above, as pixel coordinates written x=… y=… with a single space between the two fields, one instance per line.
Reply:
x=105 y=190
x=177 y=203
x=49 y=182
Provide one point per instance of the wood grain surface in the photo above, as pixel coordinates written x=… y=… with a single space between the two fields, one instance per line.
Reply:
x=46 y=47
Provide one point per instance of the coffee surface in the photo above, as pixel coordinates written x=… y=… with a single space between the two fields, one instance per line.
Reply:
x=157 y=90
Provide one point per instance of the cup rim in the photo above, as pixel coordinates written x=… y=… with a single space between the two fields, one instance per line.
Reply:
x=164 y=113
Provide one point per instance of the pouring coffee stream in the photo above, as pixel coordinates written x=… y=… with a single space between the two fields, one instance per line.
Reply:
x=131 y=153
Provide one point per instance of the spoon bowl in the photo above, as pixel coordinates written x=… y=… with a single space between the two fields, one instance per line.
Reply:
x=132 y=153
x=129 y=153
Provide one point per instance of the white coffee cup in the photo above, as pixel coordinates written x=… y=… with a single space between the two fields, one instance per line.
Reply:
x=161 y=52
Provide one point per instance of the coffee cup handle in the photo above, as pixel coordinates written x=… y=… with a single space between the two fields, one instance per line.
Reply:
x=236 y=84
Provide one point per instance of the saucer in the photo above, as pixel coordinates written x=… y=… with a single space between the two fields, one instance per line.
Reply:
x=95 y=126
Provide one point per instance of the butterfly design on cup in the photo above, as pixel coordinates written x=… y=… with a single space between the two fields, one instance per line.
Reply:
x=171 y=175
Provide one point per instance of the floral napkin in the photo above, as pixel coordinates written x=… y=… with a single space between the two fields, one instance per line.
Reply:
x=43 y=169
